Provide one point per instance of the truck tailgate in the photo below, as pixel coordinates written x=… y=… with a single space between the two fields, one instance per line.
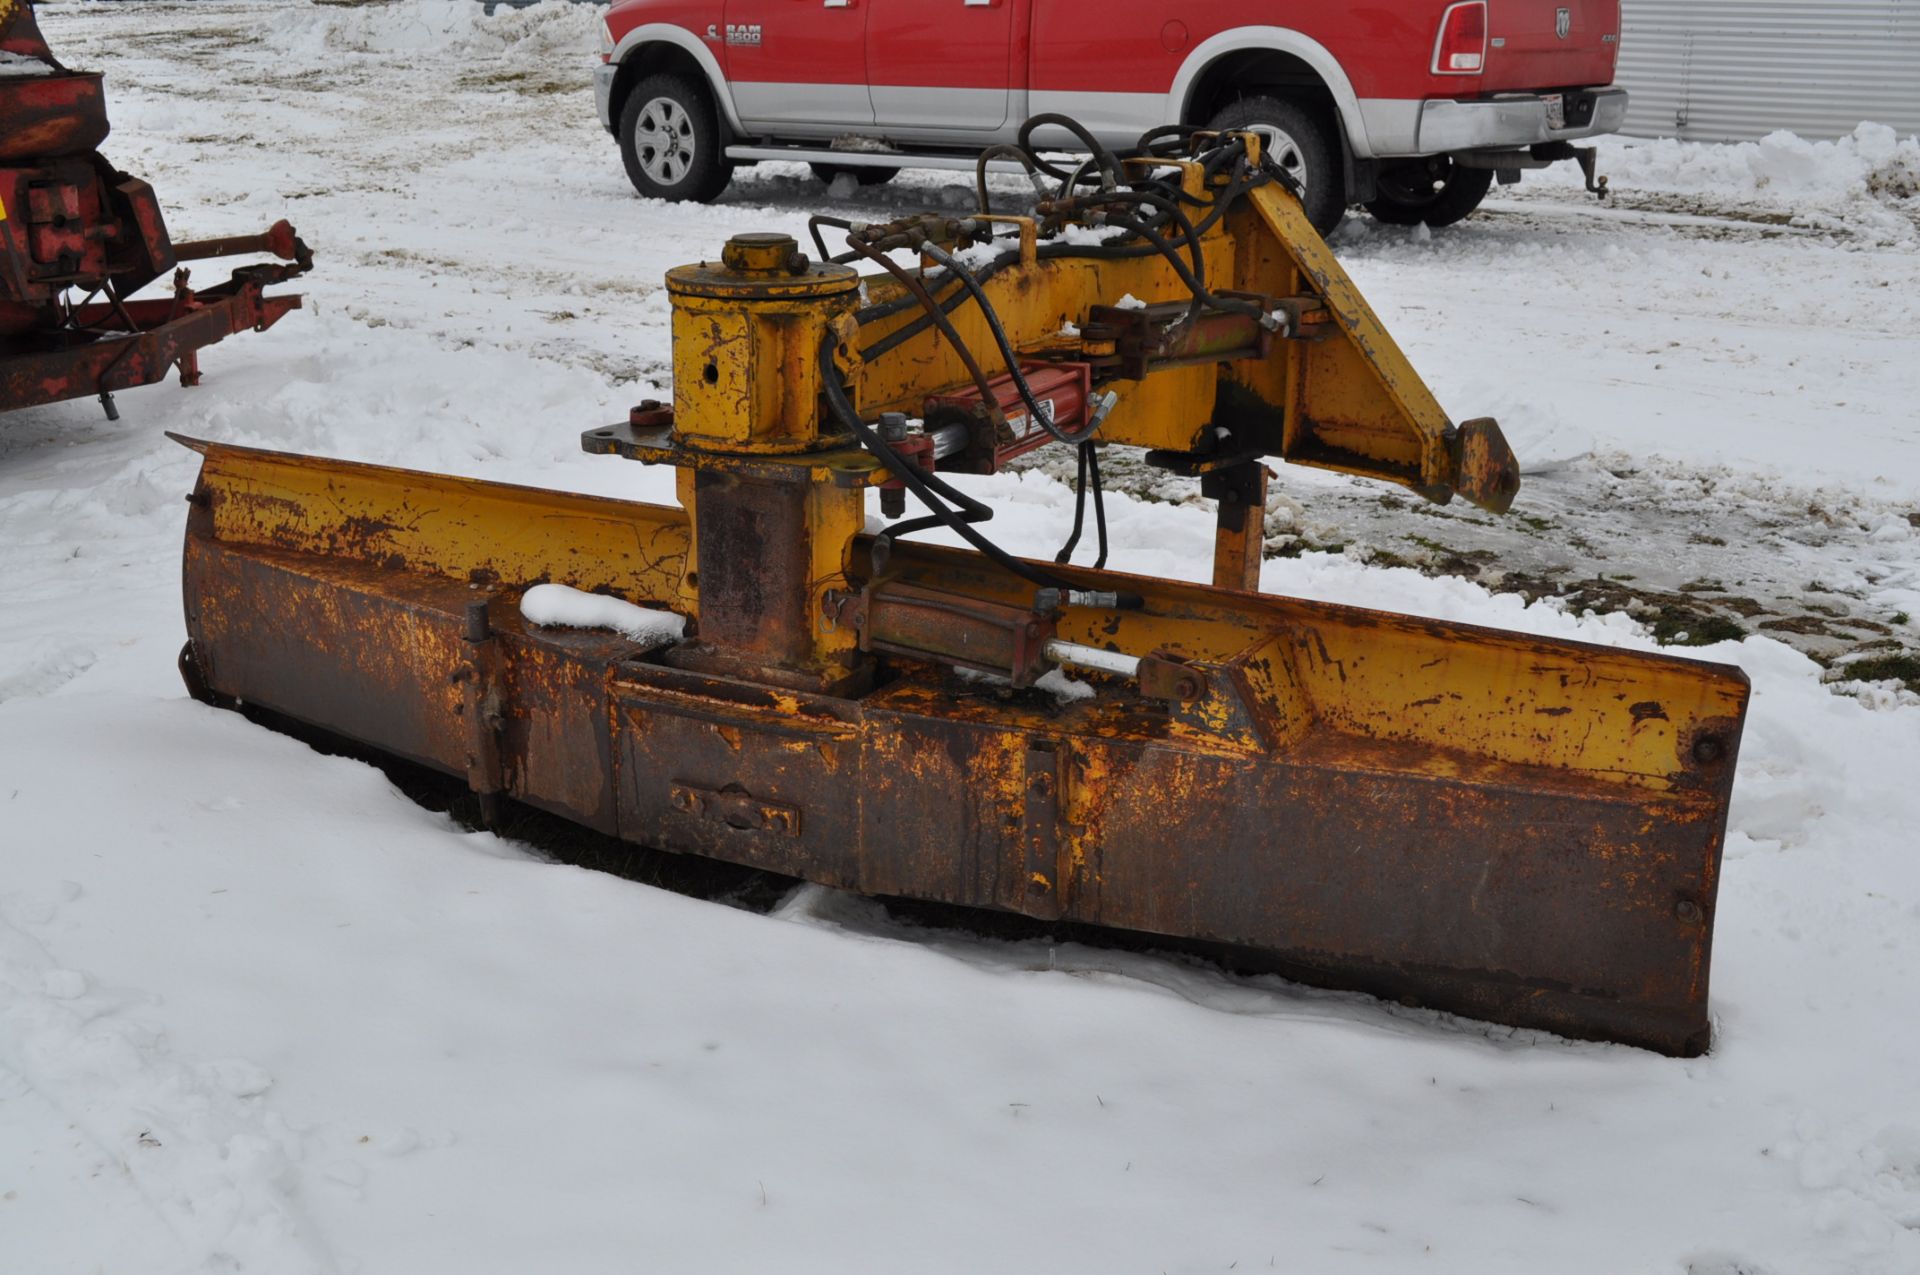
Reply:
x=1536 y=55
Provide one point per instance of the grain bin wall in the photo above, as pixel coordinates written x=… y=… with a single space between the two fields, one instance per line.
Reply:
x=1736 y=70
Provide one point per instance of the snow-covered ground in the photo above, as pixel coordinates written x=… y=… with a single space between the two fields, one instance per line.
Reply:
x=260 y=1012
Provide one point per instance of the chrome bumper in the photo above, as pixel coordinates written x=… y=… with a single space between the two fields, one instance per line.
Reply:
x=1508 y=122
x=603 y=91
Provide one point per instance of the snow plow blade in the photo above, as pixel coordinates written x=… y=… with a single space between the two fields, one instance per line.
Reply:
x=1522 y=830
x=1517 y=829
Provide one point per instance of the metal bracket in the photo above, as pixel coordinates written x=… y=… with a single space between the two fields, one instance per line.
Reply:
x=1040 y=832
x=1167 y=677
x=735 y=807
x=482 y=705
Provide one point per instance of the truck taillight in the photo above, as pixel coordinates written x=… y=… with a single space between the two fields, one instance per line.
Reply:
x=1462 y=46
x=606 y=42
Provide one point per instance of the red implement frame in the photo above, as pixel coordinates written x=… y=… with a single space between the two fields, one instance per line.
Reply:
x=78 y=237
x=113 y=346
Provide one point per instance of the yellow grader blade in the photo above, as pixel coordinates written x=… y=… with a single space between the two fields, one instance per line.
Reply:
x=1518 y=829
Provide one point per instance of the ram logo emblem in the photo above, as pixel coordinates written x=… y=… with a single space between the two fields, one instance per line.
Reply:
x=1562 y=23
x=743 y=33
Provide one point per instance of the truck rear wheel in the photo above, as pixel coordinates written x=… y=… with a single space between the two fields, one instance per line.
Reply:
x=1435 y=191
x=670 y=140
x=1299 y=140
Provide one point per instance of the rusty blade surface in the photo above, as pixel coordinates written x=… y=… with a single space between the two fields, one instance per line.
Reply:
x=1522 y=830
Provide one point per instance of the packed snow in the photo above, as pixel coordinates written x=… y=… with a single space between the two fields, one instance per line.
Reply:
x=20 y=65
x=261 y=1012
x=563 y=605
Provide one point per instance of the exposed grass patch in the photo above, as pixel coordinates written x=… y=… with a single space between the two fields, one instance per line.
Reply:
x=1903 y=668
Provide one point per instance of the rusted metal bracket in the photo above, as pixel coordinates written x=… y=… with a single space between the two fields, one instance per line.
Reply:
x=1486 y=472
x=1240 y=533
x=482 y=706
x=735 y=807
x=1040 y=831
x=1164 y=677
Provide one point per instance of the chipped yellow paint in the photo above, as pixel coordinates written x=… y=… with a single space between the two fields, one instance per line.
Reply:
x=745 y=379
x=745 y=376
x=1347 y=399
x=835 y=515
x=460 y=528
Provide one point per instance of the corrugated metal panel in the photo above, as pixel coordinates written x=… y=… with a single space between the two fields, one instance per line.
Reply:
x=1736 y=70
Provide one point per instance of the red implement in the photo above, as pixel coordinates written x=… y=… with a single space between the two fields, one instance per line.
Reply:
x=78 y=238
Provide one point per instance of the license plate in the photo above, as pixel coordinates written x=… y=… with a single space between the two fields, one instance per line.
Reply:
x=1556 y=110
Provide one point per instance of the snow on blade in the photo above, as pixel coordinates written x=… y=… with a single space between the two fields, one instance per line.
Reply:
x=562 y=605
x=1062 y=687
x=19 y=64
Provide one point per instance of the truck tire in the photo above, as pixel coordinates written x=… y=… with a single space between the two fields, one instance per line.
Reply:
x=670 y=140
x=862 y=174
x=1300 y=140
x=1435 y=191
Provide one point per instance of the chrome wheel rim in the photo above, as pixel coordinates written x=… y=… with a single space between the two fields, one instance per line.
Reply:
x=1282 y=149
x=663 y=141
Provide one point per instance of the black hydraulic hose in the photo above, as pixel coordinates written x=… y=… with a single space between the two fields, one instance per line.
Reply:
x=1150 y=141
x=1099 y=504
x=1189 y=233
x=887 y=309
x=1072 y=180
x=906 y=332
x=1047 y=252
x=915 y=481
x=1270 y=166
x=1027 y=160
x=1109 y=162
x=1196 y=286
x=1087 y=474
x=919 y=292
x=813 y=228
x=1007 y=352
x=1079 y=506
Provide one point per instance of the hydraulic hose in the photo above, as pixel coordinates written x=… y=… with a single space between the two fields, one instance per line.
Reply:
x=917 y=289
x=1109 y=162
x=926 y=487
x=1007 y=352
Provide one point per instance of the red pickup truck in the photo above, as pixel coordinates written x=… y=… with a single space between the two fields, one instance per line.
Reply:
x=1410 y=107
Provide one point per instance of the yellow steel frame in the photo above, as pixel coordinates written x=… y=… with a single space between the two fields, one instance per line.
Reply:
x=1344 y=397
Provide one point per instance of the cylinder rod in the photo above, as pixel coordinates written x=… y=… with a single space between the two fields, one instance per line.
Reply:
x=1092 y=657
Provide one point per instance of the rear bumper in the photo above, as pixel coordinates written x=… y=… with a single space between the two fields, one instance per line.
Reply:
x=603 y=92
x=1511 y=122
